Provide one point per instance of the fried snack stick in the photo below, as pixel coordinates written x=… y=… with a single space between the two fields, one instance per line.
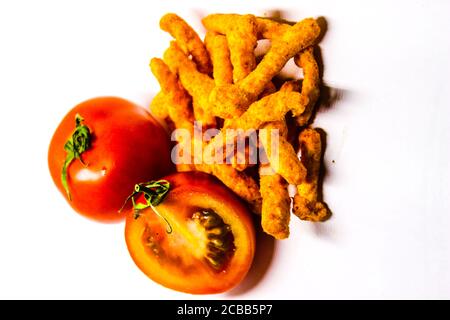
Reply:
x=179 y=112
x=275 y=212
x=270 y=108
x=180 y=165
x=239 y=182
x=306 y=205
x=241 y=161
x=247 y=158
x=241 y=32
x=235 y=99
x=291 y=86
x=298 y=37
x=176 y=101
x=283 y=159
x=270 y=29
x=187 y=39
x=243 y=185
x=268 y=89
x=310 y=84
x=218 y=50
x=198 y=85
x=158 y=106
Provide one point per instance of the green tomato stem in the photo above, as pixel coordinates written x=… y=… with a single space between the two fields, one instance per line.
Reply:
x=79 y=142
x=154 y=194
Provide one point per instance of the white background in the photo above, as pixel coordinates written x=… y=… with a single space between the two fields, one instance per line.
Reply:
x=388 y=63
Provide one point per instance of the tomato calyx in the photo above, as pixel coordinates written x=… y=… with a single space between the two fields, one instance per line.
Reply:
x=154 y=193
x=79 y=142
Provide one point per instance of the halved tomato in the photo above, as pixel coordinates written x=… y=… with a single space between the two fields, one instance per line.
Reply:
x=197 y=238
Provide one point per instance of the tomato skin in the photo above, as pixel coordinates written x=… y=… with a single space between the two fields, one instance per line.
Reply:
x=186 y=189
x=128 y=146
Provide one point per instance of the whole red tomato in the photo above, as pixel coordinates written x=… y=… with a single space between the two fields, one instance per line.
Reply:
x=101 y=149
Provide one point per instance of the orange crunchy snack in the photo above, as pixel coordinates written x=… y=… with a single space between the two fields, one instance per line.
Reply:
x=241 y=34
x=179 y=111
x=187 y=39
x=270 y=108
x=311 y=82
x=176 y=98
x=158 y=106
x=276 y=205
x=217 y=46
x=236 y=98
x=242 y=184
x=306 y=203
x=284 y=160
x=198 y=84
x=219 y=83
x=270 y=29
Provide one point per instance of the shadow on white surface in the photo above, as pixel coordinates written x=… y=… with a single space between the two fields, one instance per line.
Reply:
x=265 y=250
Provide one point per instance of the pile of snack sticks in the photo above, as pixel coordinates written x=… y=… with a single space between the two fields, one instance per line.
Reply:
x=219 y=84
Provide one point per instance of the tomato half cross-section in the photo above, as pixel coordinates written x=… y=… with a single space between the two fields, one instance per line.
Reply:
x=100 y=149
x=190 y=233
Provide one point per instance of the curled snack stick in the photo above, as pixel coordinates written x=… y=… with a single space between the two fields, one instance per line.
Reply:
x=177 y=102
x=291 y=86
x=198 y=85
x=306 y=204
x=310 y=84
x=298 y=37
x=241 y=32
x=270 y=108
x=270 y=29
x=229 y=101
x=239 y=182
x=177 y=99
x=188 y=40
x=275 y=211
x=283 y=159
x=236 y=98
x=268 y=89
x=217 y=46
x=247 y=156
x=239 y=158
x=158 y=106
x=242 y=161
x=266 y=28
